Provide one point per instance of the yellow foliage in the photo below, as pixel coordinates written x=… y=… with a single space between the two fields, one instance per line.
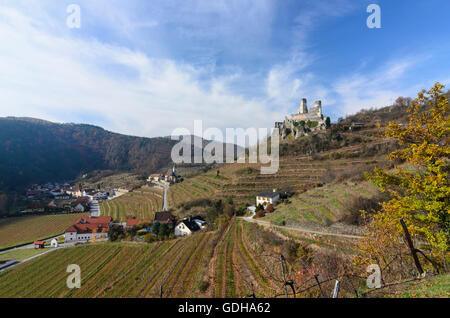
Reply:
x=420 y=193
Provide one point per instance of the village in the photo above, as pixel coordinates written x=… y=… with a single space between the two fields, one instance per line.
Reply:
x=165 y=225
x=98 y=228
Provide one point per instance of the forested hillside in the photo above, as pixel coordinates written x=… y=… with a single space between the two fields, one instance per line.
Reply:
x=33 y=151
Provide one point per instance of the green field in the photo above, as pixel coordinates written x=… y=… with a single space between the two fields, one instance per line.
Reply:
x=21 y=254
x=19 y=230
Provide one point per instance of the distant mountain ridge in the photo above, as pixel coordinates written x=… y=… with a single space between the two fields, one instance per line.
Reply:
x=34 y=150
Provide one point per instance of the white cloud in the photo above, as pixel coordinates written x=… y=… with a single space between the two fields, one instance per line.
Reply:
x=61 y=78
x=376 y=88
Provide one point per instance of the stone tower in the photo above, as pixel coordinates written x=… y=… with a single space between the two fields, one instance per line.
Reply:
x=318 y=107
x=303 y=108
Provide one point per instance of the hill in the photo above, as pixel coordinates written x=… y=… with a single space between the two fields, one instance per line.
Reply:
x=37 y=151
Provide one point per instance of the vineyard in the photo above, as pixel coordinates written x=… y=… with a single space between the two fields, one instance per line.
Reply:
x=323 y=206
x=238 y=270
x=142 y=203
x=222 y=259
x=243 y=181
x=113 y=270
x=20 y=230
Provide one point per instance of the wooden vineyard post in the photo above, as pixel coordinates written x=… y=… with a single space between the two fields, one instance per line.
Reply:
x=337 y=286
x=316 y=276
x=411 y=246
x=290 y=283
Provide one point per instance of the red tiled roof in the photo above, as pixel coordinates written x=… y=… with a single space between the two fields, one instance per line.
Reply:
x=83 y=200
x=135 y=222
x=38 y=242
x=87 y=224
x=87 y=228
x=94 y=219
x=164 y=217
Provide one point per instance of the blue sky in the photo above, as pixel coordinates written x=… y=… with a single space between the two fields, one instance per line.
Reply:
x=147 y=67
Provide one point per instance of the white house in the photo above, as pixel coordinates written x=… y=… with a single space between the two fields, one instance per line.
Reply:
x=186 y=227
x=267 y=197
x=54 y=243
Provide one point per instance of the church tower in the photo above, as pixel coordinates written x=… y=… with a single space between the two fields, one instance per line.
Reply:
x=303 y=108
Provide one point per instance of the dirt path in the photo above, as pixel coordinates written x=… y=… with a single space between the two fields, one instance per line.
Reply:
x=213 y=262
x=299 y=229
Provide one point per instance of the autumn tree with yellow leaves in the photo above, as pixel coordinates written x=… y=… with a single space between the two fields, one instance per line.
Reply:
x=419 y=183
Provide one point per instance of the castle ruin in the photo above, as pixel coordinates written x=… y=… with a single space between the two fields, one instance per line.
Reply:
x=304 y=122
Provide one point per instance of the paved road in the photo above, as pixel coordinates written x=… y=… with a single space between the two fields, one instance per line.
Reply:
x=32 y=257
x=95 y=208
x=298 y=229
x=165 y=187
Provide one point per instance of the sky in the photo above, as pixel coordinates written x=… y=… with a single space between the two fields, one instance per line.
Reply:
x=144 y=68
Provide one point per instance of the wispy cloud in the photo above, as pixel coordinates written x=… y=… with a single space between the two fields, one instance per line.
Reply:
x=49 y=76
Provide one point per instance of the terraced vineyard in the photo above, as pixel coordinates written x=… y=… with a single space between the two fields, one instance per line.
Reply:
x=19 y=230
x=142 y=203
x=114 y=270
x=324 y=205
x=243 y=181
x=238 y=272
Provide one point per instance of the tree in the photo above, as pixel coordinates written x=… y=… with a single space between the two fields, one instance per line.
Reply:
x=260 y=214
x=155 y=228
x=163 y=230
x=420 y=190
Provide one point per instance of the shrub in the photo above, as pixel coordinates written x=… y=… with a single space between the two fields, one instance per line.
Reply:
x=269 y=208
x=260 y=214
x=203 y=286
x=355 y=206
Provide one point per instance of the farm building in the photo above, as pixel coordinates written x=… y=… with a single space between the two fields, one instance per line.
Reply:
x=267 y=197
x=87 y=229
x=186 y=227
x=39 y=244
x=133 y=221
x=165 y=217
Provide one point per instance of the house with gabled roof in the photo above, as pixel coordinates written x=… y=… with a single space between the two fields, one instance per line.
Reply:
x=186 y=227
x=267 y=197
x=88 y=229
x=165 y=217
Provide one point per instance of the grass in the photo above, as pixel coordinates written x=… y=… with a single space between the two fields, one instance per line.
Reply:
x=20 y=255
x=19 y=230
x=437 y=287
